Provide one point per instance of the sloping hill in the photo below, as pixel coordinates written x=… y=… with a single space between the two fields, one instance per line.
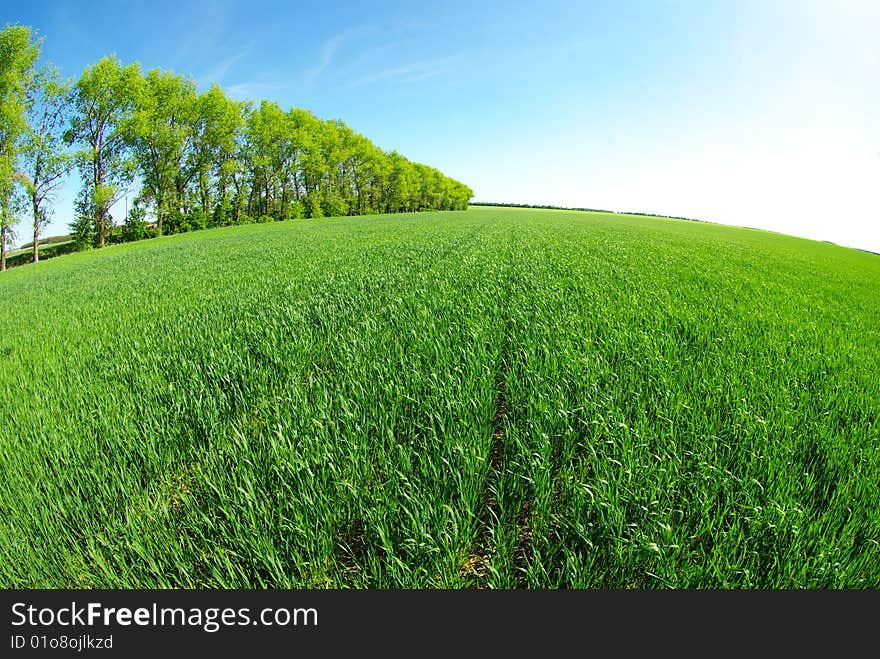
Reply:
x=494 y=397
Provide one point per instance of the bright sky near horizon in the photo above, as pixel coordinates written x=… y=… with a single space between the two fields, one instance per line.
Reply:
x=754 y=113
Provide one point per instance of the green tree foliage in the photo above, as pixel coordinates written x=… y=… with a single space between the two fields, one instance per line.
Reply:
x=219 y=122
x=18 y=53
x=103 y=101
x=135 y=226
x=161 y=131
x=296 y=163
x=45 y=158
x=82 y=230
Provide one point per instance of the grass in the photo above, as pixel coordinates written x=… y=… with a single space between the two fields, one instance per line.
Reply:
x=490 y=398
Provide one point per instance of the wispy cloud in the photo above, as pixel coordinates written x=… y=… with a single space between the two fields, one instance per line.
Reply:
x=406 y=74
x=253 y=89
x=328 y=54
x=325 y=59
x=222 y=68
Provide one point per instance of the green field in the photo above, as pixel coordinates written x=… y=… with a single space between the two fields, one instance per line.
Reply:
x=486 y=398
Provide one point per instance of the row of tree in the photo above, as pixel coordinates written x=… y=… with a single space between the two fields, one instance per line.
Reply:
x=196 y=159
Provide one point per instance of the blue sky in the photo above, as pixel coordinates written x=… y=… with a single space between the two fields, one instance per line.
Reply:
x=763 y=114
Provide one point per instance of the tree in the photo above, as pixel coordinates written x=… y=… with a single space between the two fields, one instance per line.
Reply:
x=46 y=161
x=82 y=229
x=301 y=128
x=403 y=185
x=103 y=98
x=330 y=147
x=265 y=135
x=219 y=121
x=161 y=131
x=135 y=227
x=279 y=143
x=362 y=167
x=13 y=205
x=236 y=168
x=316 y=164
x=18 y=53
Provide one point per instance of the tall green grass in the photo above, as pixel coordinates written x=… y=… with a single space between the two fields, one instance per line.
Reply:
x=490 y=398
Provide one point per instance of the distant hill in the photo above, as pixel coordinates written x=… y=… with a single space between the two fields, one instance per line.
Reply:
x=579 y=208
x=49 y=240
x=48 y=248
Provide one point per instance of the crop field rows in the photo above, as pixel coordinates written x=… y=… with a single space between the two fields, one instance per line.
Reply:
x=488 y=398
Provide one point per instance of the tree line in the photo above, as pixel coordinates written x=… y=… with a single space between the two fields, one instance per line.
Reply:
x=201 y=159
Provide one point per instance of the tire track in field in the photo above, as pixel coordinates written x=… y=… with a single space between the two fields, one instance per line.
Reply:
x=477 y=566
x=503 y=548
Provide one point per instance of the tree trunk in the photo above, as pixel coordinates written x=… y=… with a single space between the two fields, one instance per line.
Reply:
x=236 y=209
x=101 y=227
x=35 y=203
x=159 y=213
x=266 y=202
x=3 y=248
x=203 y=186
x=36 y=229
x=180 y=204
x=255 y=200
x=98 y=180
